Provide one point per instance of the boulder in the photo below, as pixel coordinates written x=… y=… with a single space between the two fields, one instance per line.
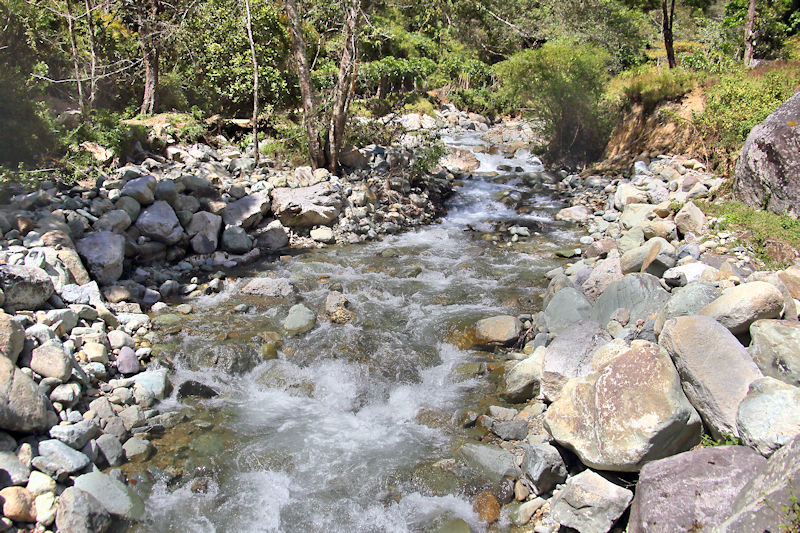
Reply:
x=521 y=382
x=767 y=170
x=247 y=211
x=740 y=306
x=495 y=464
x=685 y=301
x=569 y=355
x=641 y=294
x=336 y=308
x=270 y=288
x=543 y=467
x=590 y=503
x=140 y=189
x=12 y=470
x=628 y=193
x=323 y=234
x=300 y=319
x=628 y=412
x=769 y=416
x=791 y=279
x=460 y=160
x=117 y=498
x=567 y=306
x=130 y=206
x=603 y=274
x=24 y=287
x=104 y=253
x=76 y=435
x=22 y=405
x=59 y=460
x=51 y=361
x=204 y=232
x=691 y=491
x=236 y=240
x=655 y=256
x=18 y=504
x=160 y=223
x=80 y=512
x=273 y=237
x=497 y=330
x=116 y=220
x=765 y=502
x=578 y=214
x=715 y=369
x=307 y=206
x=775 y=347
x=12 y=337
x=691 y=220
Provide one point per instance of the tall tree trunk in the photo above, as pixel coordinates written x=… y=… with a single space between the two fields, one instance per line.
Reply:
x=93 y=54
x=343 y=89
x=75 y=58
x=147 y=42
x=668 y=14
x=249 y=24
x=749 y=36
x=306 y=89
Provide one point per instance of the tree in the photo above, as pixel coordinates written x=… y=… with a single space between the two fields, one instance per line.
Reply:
x=325 y=129
x=249 y=25
x=749 y=35
x=668 y=16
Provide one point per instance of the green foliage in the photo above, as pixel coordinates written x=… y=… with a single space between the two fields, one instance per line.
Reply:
x=791 y=513
x=774 y=21
x=26 y=133
x=707 y=441
x=362 y=132
x=481 y=100
x=655 y=86
x=757 y=227
x=562 y=84
x=427 y=156
x=740 y=100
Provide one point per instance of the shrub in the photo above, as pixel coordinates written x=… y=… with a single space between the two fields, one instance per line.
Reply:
x=26 y=134
x=655 y=86
x=562 y=84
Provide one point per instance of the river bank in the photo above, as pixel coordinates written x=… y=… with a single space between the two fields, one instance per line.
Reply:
x=364 y=380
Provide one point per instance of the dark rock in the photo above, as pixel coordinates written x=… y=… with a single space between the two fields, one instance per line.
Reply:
x=195 y=389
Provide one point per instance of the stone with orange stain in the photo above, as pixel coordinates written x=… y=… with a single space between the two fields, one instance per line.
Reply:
x=487 y=507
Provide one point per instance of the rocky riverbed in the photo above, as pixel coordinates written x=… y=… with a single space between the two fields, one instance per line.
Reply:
x=184 y=348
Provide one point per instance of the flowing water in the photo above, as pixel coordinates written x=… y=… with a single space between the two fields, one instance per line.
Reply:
x=346 y=430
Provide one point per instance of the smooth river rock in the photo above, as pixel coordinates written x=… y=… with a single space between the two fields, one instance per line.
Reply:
x=117 y=498
x=495 y=330
x=628 y=412
x=641 y=294
x=307 y=206
x=769 y=416
x=715 y=369
x=590 y=503
x=299 y=320
x=775 y=347
x=80 y=512
x=104 y=253
x=740 y=306
x=22 y=405
x=24 y=287
x=567 y=306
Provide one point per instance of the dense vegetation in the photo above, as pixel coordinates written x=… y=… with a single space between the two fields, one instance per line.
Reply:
x=72 y=70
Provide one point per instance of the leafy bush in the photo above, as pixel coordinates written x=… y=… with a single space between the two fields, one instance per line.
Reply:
x=26 y=134
x=481 y=100
x=562 y=84
x=655 y=86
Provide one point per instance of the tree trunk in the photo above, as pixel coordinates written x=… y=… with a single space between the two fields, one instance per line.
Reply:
x=249 y=23
x=315 y=151
x=149 y=58
x=343 y=89
x=749 y=36
x=92 y=54
x=75 y=59
x=668 y=15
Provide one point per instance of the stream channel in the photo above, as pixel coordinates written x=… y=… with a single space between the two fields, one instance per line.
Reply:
x=349 y=428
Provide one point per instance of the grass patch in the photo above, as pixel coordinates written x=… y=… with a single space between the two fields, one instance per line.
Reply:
x=757 y=228
x=652 y=86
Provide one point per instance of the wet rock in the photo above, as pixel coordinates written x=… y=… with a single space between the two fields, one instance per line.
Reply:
x=543 y=467
x=569 y=356
x=246 y=212
x=493 y=463
x=12 y=337
x=775 y=347
x=775 y=487
x=307 y=206
x=230 y=358
x=12 y=471
x=769 y=416
x=117 y=498
x=641 y=294
x=336 y=308
x=195 y=389
x=686 y=301
x=486 y=507
x=204 y=232
x=628 y=412
x=740 y=306
x=701 y=348
x=160 y=223
x=138 y=450
x=501 y=330
x=24 y=287
x=692 y=490
x=274 y=288
x=522 y=381
x=590 y=503
x=59 y=460
x=565 y=308
x=76 y=435
x=300 y=319
x=80 y=512
x=18 y=504
x=104 y=253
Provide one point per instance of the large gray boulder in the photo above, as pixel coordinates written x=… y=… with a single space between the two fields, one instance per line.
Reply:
x=765 y=502
x=493 y=463
x=104 y=252
x=247 y=211
x=655 y=256
x=23 y=407
x=140 y=189
x=603 y=274
x=767 y=170
x=12 y=337
x=270 y=288
x=775 y=347
x=80 y=512
x=307 y=206
x=521 y=382
x=628 y=412
x=204 y=232
x=687 y=300
x=24 y=287
x=58 y=460
x=590 y=503
x=769 y=416
x=569 y=355
x=116 y=497
x=715 y=369
x=568 y=306
x=740 y=306
x=160 y=223
x=543 y=467
x=641 y=294
x=692 y=491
